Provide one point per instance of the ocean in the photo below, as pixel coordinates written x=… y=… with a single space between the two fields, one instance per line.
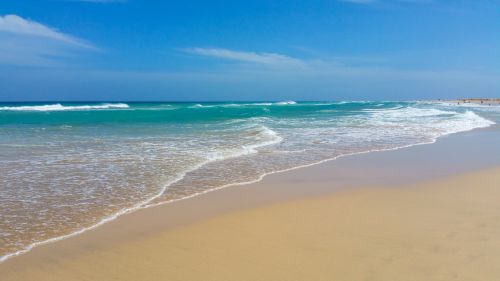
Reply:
x=69 y=167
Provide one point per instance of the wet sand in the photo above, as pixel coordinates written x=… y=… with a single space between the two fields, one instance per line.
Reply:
x=423 y=213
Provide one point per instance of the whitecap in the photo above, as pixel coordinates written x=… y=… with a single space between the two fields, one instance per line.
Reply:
x=60 y=107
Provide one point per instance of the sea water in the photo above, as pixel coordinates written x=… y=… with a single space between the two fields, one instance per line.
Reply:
x=68 y=167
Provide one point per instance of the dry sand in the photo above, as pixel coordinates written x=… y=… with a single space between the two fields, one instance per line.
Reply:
x=445 y=229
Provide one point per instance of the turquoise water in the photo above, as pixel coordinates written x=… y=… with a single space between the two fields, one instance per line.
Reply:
x=67 y=167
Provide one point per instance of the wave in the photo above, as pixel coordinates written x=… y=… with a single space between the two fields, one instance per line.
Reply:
x=382 y=109
x=199 y=105
x=286 y=102
x=409 y=112
x=467 y=121
x=60 y=107
x=264 y=137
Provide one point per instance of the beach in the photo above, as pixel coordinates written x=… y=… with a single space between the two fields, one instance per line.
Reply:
x=427 y=212
x=475 y=101
x=344 y=140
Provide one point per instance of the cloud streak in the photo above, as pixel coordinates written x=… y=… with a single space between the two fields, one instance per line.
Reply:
x=27 y=42
x=17 y=25
x=270 y=59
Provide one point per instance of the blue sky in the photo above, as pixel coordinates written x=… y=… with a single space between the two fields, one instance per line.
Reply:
x=248 y=50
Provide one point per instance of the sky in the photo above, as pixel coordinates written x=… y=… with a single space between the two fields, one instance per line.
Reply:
x=144 y=50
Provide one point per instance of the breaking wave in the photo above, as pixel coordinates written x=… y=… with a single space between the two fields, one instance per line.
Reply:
x=60 y=107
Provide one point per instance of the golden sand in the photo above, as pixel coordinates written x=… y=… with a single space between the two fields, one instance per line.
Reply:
x=446 y=229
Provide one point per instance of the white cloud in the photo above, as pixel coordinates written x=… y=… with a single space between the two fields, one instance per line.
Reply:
x=26 y=42
x=17 y=25
x=270 y=59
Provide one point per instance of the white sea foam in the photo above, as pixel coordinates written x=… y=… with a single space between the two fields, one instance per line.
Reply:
x=229 y=105
x=409 y=112
x=264 y=137
x=198 y=105
x=60 y=107
x=286 y=102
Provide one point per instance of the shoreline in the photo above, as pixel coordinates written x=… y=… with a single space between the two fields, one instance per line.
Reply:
x=474 y=101
x=278 y=195
x=164 y=241
x=146 y=204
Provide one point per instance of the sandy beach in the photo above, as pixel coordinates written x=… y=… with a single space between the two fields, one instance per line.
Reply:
x=476 y=101
x=339 y=140
x=377 y=216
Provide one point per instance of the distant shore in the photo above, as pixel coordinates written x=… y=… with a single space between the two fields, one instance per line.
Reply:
x=484 y=101
x=383 y=215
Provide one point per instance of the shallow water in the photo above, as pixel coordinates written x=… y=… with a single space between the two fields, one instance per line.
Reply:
x=67 y=167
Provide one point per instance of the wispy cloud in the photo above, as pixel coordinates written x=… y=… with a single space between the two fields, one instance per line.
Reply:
x=323 y=69
x=27 y=42
x=18 y=25
x=271 y=59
